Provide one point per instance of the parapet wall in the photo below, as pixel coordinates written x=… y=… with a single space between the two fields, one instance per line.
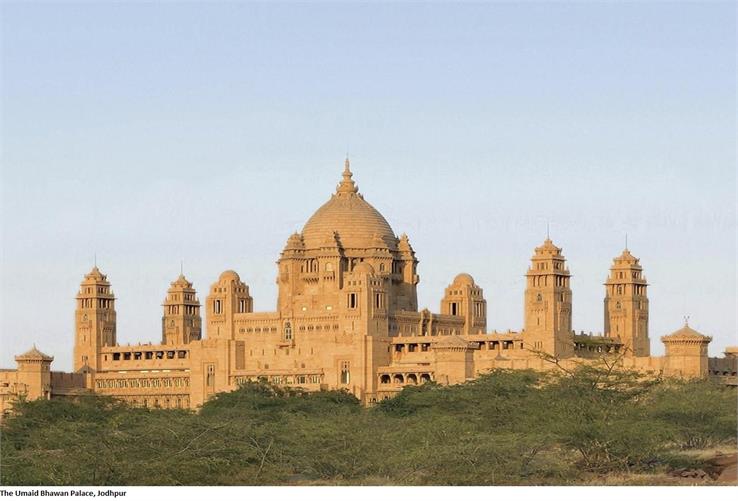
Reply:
x=69 y=383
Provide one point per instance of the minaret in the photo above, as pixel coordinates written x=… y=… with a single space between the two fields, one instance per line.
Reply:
x=181 y=322
x=626 y=305
x=548 y=303
x=94 y=320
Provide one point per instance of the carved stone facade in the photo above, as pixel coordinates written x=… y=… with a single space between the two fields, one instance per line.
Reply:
x=347 y=318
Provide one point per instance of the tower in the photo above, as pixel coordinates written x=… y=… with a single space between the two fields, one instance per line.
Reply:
x=626 y=305
x=181 y=322
x=34 y=374
x=290 y=266
x=405 y=269
x=94 y=320
x=686 y=353
x=228 y=296
x=548 y=303
x=464 y=298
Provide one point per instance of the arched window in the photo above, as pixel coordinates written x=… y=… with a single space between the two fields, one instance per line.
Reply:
x=345 y=373
x=287 y=331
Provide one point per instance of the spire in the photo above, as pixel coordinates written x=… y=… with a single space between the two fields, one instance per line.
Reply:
x=626 y=241
x=347 y=184
x=548 y=230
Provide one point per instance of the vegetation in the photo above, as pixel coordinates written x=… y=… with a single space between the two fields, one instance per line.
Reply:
x=506 y=428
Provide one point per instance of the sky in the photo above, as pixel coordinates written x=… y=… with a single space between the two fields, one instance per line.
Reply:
x=206 y=133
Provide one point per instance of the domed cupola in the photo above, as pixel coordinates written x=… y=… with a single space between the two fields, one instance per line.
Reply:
x=355 y=223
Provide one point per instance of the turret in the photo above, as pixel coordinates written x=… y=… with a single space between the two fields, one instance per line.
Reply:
x=686 y=353
x=626 y=305
x=95 y=320
x=548 y=303
x=228 y=296
x=181 y=322
x=290 y=266
x=464 y=298
x=34 y=374
x=404 y=269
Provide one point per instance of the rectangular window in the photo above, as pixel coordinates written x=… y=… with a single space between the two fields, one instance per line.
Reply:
x=352 y=300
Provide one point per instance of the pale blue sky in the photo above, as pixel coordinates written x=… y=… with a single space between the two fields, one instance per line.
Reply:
x=209 y=133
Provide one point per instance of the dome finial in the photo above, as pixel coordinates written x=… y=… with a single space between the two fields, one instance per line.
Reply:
x=347 y=184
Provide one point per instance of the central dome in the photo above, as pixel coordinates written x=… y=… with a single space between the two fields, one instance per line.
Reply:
x=357 y=223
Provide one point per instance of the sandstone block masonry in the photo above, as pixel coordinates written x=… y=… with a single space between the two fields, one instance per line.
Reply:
x=347 y=317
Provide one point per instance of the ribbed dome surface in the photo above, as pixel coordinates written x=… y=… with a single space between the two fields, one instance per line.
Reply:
x=357 y=223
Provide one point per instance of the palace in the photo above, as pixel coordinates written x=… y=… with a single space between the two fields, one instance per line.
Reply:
x=347 y=318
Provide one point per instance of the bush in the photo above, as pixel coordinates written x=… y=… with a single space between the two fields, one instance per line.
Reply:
x=505 y=428
x=696 y=414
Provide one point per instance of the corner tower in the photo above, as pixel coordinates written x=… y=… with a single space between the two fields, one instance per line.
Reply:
x=548 y=303
x=626 y=305
x=94 y=320
x=34 y=374
x=686 y=353
x=181 y=322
